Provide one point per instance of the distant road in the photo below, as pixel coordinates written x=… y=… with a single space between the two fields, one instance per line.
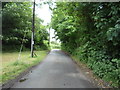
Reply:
x=56 y=71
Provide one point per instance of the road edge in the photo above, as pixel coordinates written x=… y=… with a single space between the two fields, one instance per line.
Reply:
x=11 y=82
x=94 y=79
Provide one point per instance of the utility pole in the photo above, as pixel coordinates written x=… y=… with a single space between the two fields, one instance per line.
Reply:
x=33 y=27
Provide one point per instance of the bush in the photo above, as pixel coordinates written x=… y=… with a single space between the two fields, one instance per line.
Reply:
x=101 y=64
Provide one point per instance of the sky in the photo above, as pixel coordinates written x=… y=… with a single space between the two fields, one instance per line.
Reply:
x=44 y=13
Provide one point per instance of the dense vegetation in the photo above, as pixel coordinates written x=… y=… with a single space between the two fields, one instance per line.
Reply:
x=91 y=32
x=17 y=26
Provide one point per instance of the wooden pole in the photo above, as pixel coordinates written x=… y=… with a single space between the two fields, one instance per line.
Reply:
x=33 y=27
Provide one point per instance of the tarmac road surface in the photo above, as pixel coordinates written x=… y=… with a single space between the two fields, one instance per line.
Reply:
x=56 y=71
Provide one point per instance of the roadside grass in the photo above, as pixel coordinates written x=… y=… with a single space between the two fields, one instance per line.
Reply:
x=11 y=66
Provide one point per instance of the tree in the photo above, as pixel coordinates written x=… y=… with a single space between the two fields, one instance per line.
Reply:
x=17 y=22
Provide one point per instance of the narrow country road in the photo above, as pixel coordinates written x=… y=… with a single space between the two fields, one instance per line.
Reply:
x=56 y=71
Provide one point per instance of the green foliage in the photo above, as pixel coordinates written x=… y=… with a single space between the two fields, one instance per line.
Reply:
x=113 y=34
x=17 y=23
x=91 y=32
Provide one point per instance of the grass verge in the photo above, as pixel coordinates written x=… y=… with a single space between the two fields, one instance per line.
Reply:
x=12 y=67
